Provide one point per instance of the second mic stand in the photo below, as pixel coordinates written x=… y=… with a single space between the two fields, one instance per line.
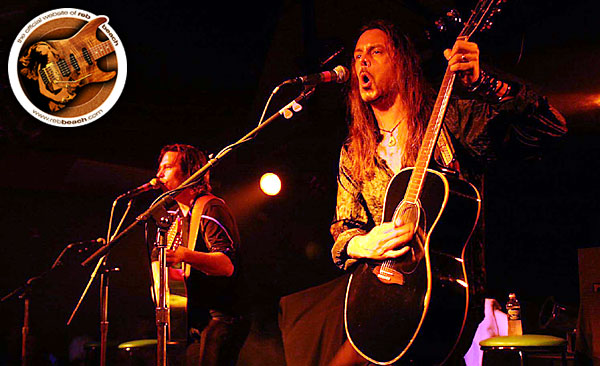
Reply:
x=104 y=281
x=162 y=307
x=24 y=292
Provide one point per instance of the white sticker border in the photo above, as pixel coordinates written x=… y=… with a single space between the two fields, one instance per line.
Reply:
x=39 y=114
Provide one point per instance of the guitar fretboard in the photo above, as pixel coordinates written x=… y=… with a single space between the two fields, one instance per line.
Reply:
x=417 y=178
x=102 y=49
x=174 y=234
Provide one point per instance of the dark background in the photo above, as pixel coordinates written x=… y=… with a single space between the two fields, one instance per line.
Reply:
x=200 y=73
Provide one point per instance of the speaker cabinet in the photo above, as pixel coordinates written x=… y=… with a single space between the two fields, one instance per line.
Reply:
x=588 y=327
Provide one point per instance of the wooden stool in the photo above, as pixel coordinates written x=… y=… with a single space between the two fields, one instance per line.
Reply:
x=524 y=346
x=92 y=353
x=142 y=352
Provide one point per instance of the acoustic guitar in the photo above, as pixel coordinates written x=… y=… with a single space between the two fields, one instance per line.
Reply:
x=414 y=308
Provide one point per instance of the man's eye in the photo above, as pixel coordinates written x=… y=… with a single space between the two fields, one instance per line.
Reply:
x=357 y=57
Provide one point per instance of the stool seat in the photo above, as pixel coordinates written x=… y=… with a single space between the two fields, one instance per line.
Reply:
x=95 y=344
x=92 y=352
x=138 y=343
x=143 y=352
x=525 y=340
x=91 y=345
x=523 y=346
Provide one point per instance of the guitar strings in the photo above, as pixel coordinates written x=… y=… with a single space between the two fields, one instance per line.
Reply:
x=102 y=47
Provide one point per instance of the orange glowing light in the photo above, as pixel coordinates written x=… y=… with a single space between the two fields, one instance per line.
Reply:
x=270 y=184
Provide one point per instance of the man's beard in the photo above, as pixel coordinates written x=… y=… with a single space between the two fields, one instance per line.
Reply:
x=384 y=99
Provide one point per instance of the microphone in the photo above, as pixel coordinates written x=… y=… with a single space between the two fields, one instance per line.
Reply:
x=153 y=184
x=339 y=74
x=84 y=246
x=100 y=241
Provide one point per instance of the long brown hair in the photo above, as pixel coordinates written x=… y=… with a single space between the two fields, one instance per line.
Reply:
x=364 y=134
x=191 y=159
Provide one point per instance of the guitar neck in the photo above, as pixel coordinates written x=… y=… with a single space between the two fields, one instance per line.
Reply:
x=480 y=18
x=102 y=49
x=434 y=126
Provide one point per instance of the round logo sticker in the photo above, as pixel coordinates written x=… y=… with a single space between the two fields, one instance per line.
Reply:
x=67 y=67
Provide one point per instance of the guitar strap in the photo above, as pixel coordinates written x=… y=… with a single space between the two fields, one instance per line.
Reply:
x=197 y=210
x=445 y=151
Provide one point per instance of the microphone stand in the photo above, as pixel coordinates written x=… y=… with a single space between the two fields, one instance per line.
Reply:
x=104 y=280
x=24 y=292
x=167 y=199
x=287 y=112
x=105 y=270
x=162 y=306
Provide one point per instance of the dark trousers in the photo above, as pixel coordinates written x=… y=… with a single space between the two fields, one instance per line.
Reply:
x=219 y=343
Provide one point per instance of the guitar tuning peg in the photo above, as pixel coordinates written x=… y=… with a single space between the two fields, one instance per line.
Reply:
x=440 y=25
x=454 y=15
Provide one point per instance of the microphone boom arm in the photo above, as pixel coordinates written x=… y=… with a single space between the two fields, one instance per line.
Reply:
x=167 y=198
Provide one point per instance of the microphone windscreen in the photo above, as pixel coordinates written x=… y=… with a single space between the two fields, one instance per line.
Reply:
x=342 y=74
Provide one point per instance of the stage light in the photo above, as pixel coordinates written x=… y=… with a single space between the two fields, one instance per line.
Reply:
x=270 y=184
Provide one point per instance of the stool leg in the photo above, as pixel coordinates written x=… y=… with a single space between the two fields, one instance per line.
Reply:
x=522 y=357
x=563 y=358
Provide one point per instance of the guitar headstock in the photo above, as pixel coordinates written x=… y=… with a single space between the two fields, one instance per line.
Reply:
x=481 y=17
x=450 y=20
x=442 y=33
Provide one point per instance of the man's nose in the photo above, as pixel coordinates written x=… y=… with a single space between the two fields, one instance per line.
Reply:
x=364 y=61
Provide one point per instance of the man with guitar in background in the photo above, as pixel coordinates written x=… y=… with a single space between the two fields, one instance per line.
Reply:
x=389 y=106
x=207 y=243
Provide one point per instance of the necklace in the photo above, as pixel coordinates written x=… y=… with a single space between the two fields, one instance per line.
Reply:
x=392 y=140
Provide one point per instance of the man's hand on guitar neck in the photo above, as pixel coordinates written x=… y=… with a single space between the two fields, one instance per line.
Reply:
x=382 y=242
x=463 y=59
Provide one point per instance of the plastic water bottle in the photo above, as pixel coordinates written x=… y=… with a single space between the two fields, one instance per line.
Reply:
x=513 y=309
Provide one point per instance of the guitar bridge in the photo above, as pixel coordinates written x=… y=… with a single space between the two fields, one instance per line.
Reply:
x=383 y=277
x=388 y=275
x=50 y=74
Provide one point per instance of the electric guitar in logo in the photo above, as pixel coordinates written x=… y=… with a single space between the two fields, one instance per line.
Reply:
x=414 y=308
x=62 y=66
x=176 y=289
